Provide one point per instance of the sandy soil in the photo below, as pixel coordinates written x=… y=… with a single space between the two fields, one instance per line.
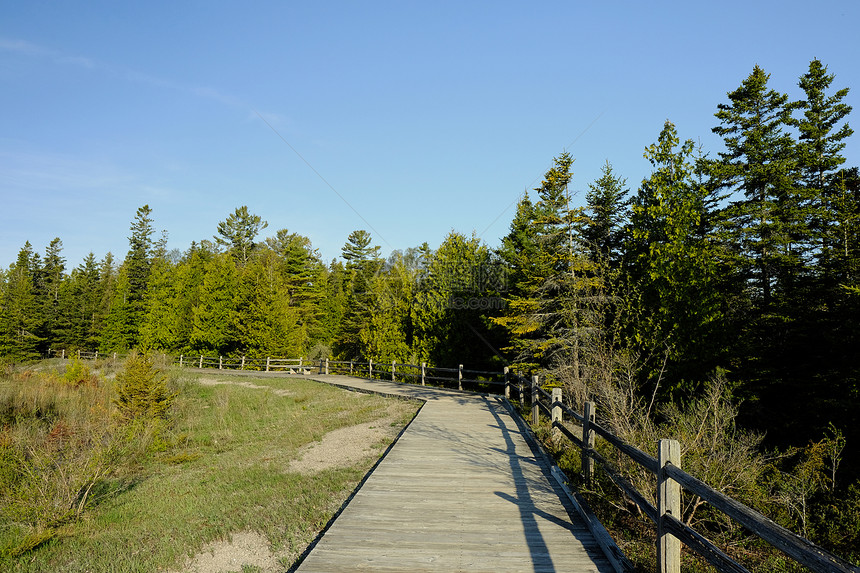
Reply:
x=338 y=448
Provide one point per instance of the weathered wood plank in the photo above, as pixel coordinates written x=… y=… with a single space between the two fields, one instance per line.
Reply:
x=460 y=491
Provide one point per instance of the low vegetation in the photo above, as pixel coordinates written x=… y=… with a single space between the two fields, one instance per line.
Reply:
x=797 y=487
x=91 y=480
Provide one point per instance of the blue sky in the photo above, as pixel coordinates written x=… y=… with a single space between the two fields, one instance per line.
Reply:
x=409 y=119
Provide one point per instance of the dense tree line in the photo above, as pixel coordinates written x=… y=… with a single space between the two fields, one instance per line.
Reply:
x=745 y=262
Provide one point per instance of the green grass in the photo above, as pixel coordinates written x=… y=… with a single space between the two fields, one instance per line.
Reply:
x=224 y=470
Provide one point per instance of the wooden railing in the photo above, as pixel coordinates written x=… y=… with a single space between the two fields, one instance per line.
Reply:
x=670 y=479
x=462 y=378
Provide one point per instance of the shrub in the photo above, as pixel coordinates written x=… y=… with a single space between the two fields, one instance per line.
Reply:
x=78 y=374
x=142 y=390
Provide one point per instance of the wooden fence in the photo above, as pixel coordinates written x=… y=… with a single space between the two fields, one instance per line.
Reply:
x=670 y=479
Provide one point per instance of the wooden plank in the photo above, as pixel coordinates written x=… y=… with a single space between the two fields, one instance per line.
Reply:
x=461 y=490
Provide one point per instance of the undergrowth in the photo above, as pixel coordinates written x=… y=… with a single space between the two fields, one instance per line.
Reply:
x=795 y=488
x=218 y=463
x=63 y=440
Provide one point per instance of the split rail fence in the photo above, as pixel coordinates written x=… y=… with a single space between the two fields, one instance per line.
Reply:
x=670 y=480
x=666 y=467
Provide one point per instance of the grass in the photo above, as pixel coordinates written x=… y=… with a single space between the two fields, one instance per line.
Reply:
x=222 y=467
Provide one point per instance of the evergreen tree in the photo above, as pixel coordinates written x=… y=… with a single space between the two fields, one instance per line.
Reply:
x=823 y=132
x=119 y=330
x=458 y=289
x=303 y=276
x=545 y=315
x=386 y=334
x=332 y=305
x=264 y=321
x=128 y=307
x=362 y=266
x=607 y=208
x=674 y=257
x=519 y=248
x=238 y=232
x=213 y=315
x=80 y=300
x=51 y=279
x=759 y=162
x=163 y=320
x=19 y=311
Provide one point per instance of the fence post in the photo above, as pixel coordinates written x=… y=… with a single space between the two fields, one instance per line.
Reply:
x=201 y=361
x=507 y=387
x=322 y=365
x=522 y=391
x=326 y=366
x=556 y=408
x=268 y=358
x=668 y=502
x=64 y=353
x=97 y=355
x=242 y=367
x=460 y=377
x=300 y=360
x=350 y=367
x=423 y=372
x=370 y=368
x=588 y=415
x=180 y=361
x=220 y=363
x=79 y=353
x=392 y=372
x=535 y=408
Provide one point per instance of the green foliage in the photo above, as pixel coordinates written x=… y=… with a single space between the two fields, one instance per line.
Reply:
x=58 y=446
x=546 y=316
x=141 y=390
x=238 y=232
x=78 y=374
x=19 y=314
x=674 y=255
x=607 y=207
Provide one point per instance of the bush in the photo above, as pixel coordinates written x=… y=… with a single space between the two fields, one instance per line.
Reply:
x=78 y=374
x=142 y=390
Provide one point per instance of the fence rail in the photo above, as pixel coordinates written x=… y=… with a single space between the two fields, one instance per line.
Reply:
x=670 y=480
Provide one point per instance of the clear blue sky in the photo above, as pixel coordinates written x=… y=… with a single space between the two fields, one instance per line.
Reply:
x=412 y=118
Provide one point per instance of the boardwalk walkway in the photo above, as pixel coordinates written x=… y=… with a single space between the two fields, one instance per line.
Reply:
x=461 y=490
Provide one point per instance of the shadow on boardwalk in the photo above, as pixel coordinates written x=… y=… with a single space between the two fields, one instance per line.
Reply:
x=461 y=490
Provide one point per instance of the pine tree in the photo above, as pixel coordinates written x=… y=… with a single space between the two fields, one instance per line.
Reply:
x=303 y=278
x=823 y=131
x=458 y=288
x=238 y=232
x=213 y=315
x=519 y=248
x=19 y=312
x=606 y=206
x=759 y=162
x=163 y=320
x=545 y=315
x=127 y=310
x=362 y=266
x=119 y=330
x=51 y=279
x=80 y=299
x=264 y=321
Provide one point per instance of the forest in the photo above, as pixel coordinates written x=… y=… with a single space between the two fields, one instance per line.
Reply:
x=736 y=270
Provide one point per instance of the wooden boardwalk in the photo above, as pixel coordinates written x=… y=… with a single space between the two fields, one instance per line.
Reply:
x=461 y=490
